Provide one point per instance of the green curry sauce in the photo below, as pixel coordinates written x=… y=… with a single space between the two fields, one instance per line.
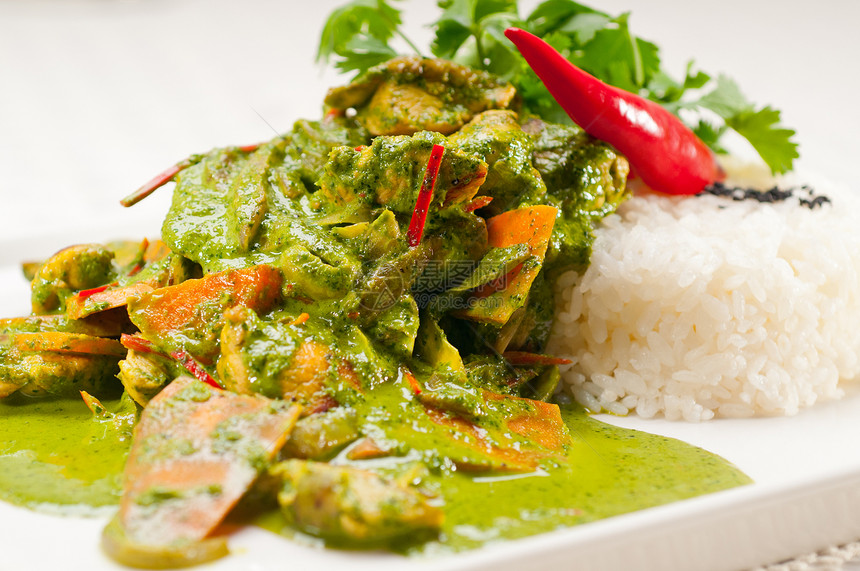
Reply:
x=56 y=452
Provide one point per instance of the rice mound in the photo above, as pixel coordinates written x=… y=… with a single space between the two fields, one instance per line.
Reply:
x=703 y=306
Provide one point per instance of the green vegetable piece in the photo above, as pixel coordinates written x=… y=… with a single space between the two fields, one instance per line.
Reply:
x=396 y=327
x=495 y=264
x=432 y=347
x=351 y=506
x=321 y=435
x=543 y=387
x=306 y=274
x=69 y=270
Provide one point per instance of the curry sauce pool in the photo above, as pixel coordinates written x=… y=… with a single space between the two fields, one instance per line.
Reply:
x=55 y=452
x=610 y=471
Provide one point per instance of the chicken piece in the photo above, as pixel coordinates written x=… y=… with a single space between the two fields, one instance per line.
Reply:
x=410 y=94
x=274 y=359
x=391 y=170
x=74 y=268
x=497 y=138
x=56 y=363
x=351 y=506
x=144 y=374
x=196 y=451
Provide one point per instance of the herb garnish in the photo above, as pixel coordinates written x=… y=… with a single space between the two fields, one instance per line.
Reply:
x=361 y=34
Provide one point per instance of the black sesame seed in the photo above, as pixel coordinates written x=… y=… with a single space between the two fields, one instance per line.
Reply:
x=771 y=195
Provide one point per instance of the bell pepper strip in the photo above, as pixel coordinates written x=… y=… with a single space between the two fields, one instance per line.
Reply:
x=478 y=203
x=195 y=368
x=138 y=343
x=663 y=152
x=85 y=293
x=169 y=174
x=414 y=385
x=425 y=196
x=100 y=299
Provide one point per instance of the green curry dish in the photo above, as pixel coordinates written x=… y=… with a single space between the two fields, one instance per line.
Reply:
x=366 y=383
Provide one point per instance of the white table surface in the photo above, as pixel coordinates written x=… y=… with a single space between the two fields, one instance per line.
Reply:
x=98 y=96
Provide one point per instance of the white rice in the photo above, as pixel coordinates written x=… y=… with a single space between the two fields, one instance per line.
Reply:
x=700 y=307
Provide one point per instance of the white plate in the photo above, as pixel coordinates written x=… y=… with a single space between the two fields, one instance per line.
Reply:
x=99 y=96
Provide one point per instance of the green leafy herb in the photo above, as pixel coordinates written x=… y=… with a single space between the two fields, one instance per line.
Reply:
x=357 y=35
x=360 y=34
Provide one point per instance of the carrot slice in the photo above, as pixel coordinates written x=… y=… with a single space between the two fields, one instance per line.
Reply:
x=196 y=451
x=487 y=445
x=531 y=225
x=96 y=300
x=60 y=342
x=177 y=307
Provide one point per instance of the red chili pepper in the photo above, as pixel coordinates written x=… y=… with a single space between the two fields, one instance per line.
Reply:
x=85 y=293
x=137 y=343
x=141 y=345
x=195 y=368
x=425 y=195
x=414 y=385
x=525 y=358
x=663 y=152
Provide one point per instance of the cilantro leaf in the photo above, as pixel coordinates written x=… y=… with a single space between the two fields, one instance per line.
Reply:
x=354 y=34
x=726 y=99
x=360 y=34
x=773 y=142
x=710 y=134
x=619 y=58
x=556 y=14
x=471 y=31
x=362 y=53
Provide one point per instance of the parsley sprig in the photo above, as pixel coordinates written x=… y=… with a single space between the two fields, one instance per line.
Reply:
x=362 y=33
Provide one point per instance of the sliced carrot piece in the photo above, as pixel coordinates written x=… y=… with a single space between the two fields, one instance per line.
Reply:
x=60 y=342
x=196 y=451
x=87 y=303
x=538 y=421
x=177 y=307
x=365 y=449
x=487 y=444
x=531 y=225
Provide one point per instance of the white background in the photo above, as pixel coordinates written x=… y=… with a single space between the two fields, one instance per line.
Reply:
x=96 y=97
